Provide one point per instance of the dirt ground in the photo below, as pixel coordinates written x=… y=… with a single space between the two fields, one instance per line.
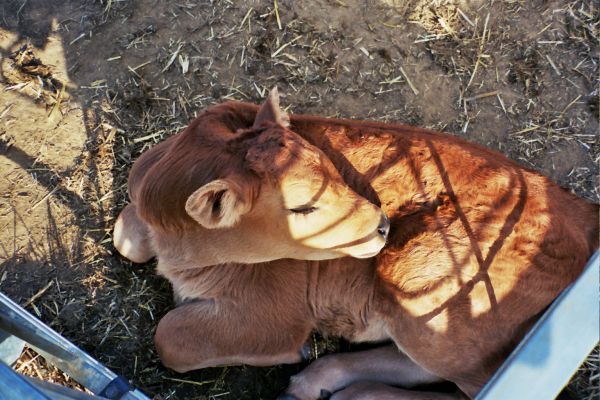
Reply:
x=86 y=86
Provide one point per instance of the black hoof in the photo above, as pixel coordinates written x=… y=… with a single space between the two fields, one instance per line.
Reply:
x=287 y=397
x=324 y=395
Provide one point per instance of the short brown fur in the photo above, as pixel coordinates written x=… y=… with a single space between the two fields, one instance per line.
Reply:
x=479 y=246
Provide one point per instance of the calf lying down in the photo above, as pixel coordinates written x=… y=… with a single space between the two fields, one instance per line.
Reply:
x=270 y=227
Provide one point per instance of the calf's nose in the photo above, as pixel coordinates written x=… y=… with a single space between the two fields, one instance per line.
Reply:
x=384 y=226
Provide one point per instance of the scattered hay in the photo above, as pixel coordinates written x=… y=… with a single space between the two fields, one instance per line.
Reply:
x=27 y=73
x=32 y=364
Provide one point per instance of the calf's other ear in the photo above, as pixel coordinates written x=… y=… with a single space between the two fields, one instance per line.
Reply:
x=218 y=204
x=270 y=111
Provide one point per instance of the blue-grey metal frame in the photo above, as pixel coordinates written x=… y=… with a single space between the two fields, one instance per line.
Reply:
x=542 y=364
x=16 y=322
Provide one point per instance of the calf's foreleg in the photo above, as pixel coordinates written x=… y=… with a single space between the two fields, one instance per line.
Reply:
x=209 y=333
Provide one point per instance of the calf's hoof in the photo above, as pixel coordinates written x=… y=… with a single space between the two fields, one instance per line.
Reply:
x=287 y=397
x=324 y=395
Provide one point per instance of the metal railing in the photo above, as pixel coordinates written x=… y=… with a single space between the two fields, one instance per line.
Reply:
x=544 y=361
x=18 y=327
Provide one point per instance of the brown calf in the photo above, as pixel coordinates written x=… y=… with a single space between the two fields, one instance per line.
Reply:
x=251 y=215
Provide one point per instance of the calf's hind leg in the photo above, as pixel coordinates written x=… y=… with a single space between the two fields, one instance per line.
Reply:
x=130 y=236
x=209 y=333
x=380 y=391
x=350 y=372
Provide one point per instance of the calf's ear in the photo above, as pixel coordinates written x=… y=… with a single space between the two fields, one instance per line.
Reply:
x=270 y=111
x=218 y=204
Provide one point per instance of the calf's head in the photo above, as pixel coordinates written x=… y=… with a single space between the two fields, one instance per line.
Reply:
x=261 y=193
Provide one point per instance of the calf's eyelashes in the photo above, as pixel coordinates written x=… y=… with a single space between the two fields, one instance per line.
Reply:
x=304 y=210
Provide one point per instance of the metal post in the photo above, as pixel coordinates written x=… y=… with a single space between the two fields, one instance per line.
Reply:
x=542 y=364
